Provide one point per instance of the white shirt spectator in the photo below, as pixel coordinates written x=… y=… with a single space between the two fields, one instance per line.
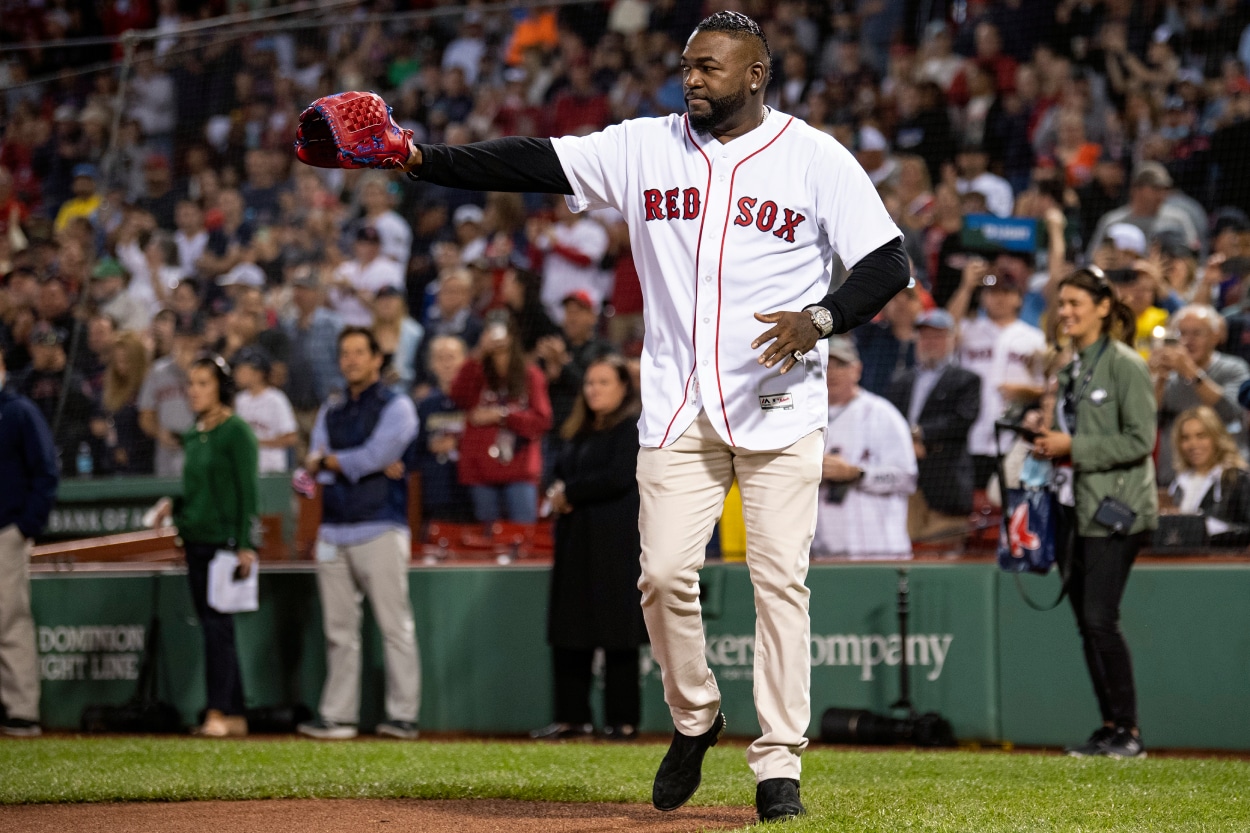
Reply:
x=998 y=194
x=870 y=522
x=153 y=103
x=396 y=237
x=140 y=287
x=190 y=249
x=465 y=52
x=270 y=416
x=353 y=307
x=1000 y=355
x=571 y=256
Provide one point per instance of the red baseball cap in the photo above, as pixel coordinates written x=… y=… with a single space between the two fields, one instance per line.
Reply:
x=582 y=297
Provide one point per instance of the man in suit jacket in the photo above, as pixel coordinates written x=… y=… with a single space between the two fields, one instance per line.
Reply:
x=940 y=401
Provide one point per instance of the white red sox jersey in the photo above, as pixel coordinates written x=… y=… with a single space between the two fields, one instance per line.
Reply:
x=1000 y=355
x=720 y=232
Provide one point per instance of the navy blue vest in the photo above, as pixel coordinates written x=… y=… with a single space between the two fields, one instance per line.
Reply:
x=375 y=497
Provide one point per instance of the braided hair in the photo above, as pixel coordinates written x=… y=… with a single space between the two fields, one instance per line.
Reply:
x=738 y=25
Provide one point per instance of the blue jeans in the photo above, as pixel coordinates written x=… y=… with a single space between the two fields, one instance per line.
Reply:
x=518 y=501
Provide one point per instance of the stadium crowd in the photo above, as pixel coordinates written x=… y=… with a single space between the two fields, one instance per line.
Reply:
x=145 y=217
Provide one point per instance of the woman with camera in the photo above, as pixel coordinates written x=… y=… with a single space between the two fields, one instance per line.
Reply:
x=1211 y=477
x=1104 y=432
x=507 y=411
x=217 y=511
x=595 y=601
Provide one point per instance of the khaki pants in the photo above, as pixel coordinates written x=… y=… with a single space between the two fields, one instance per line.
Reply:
x=19 y=663
x=683 y=490
x=378 y=570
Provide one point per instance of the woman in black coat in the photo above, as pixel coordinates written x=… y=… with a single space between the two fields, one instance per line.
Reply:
x=595 y=601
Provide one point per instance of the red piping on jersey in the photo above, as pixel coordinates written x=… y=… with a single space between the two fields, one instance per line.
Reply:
x=694 y=321
x=720 y=265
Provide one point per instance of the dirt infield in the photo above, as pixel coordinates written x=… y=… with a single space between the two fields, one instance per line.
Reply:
x=333 y=816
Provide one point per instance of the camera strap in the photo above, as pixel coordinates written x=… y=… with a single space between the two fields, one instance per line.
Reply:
x=1071 y=398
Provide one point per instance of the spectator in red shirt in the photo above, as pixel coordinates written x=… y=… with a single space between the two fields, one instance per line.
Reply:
x=581 y=108
x=504 y=397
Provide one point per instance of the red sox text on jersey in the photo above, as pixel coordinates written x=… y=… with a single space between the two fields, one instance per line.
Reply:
x=684 y=204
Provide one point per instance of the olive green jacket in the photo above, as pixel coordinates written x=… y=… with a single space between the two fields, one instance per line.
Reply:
x=1117 y=420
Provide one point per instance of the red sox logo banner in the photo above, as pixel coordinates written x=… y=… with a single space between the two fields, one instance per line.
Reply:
x=1019 y=535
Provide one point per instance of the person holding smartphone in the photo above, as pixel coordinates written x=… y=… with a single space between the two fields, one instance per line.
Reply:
x=217 y=511
x=507 y=411
x=1101 y=442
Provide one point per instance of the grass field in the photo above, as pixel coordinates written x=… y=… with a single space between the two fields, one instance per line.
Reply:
x=844 y=790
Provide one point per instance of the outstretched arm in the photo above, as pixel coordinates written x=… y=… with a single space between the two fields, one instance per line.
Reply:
x=514 y=163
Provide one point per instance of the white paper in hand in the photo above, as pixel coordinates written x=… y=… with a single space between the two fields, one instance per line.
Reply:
x=225 y=594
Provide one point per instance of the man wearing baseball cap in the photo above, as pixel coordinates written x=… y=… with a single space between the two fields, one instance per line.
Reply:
x=85 y=200
x=1000 y=348
x=42 y=383
x=941 y=401
x=356 y=282
x=1147 y=209
x=109 y=296
x=868 y=471
x=265 y=408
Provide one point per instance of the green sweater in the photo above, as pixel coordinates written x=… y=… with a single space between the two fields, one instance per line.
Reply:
x=220 y=482
x=1115 y=435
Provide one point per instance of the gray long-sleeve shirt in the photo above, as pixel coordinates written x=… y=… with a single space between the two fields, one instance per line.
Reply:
x=396 y=428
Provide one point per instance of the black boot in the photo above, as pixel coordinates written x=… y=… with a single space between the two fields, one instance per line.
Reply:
x=777 y=799
x=682 y=768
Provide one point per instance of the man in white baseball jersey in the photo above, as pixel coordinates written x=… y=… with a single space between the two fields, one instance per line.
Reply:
x=1004 y=351
x=735 y=212
x=869 y=468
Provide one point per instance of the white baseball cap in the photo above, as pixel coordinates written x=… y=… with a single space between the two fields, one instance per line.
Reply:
x=244 y=274
x=1127 y=238
x=468 y=213
x=870 y=138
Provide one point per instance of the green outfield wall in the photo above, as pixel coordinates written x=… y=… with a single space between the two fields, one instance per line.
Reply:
x=997 y=669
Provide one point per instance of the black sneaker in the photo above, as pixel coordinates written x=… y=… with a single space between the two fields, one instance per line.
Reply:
x=1124 y=744
x=563 y=731
x=682 y=768
x=777 y=799
x=398 y=729
x=16 y=727
x=1094 y=746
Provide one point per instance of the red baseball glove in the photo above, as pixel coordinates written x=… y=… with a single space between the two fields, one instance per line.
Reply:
x=351 y=130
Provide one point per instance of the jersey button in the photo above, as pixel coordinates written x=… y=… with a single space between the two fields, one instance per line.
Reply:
x=707 y=321
x=723 y=177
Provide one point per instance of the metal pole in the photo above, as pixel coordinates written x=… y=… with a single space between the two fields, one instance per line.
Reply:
x=904 y=676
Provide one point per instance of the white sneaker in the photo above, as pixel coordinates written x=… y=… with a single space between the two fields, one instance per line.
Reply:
x=327 y=730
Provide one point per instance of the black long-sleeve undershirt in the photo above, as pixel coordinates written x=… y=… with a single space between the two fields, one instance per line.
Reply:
x=879 y=276
x=514 y=163
x=528 y=165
